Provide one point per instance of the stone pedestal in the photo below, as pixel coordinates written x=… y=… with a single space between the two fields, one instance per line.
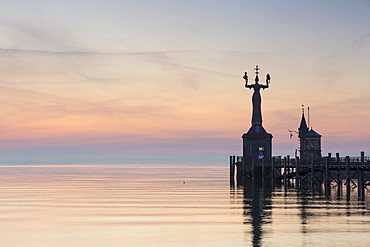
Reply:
x=257 y=147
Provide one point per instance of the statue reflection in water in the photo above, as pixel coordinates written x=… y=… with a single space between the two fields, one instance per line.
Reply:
x=257 y=207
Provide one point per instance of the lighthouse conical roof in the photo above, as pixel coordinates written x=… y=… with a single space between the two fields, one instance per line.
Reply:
x=303 y=129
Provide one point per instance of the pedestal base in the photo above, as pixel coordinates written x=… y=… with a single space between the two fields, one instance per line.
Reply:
x=257 y=147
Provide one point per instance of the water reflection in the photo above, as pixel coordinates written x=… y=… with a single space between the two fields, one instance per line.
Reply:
x=257 y=207
x=130 y=205
x=301 y=215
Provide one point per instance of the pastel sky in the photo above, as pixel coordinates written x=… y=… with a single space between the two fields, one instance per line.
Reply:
x=118 y=81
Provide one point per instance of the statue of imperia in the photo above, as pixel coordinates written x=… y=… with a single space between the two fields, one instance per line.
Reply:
x=256 y=98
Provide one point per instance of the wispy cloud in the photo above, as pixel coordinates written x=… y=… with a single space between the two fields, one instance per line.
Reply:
x=161 y=57
x=350 y=49
x=36 y=34
x=361 y=39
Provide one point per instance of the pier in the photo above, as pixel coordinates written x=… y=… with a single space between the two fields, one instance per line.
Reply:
x=346 y=174
x=309 y=169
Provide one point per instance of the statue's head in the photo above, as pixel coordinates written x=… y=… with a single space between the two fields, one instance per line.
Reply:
x=257 y=79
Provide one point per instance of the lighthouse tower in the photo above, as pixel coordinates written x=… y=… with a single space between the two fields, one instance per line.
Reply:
x=309 y=141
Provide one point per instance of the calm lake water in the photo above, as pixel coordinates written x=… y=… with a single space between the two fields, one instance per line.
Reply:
x=167 y=205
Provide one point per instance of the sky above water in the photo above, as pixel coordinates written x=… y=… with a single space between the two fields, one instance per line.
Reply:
x=161 y=81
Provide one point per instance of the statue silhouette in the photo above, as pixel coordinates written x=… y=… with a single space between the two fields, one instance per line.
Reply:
x=257 y=143
x=256 y=97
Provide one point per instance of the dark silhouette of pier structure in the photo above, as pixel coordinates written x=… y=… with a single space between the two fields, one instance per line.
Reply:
x=309 y=171
x=341 y=173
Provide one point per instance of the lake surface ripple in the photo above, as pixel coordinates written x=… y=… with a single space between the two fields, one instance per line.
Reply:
x=167 y=205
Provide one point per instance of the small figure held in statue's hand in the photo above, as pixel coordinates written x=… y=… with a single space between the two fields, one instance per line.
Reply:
x=268 y=78
x=245 y=78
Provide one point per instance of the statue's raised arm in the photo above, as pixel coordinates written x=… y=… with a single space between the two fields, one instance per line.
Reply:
x=245 y=77
x=268 y=78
